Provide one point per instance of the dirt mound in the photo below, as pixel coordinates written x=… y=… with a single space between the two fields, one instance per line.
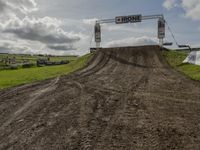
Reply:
x=126 y=98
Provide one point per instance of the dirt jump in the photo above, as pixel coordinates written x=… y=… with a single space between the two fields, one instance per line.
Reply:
x=125 y=99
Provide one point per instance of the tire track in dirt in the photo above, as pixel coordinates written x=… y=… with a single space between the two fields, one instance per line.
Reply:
x=126 y=98
x=33 y=97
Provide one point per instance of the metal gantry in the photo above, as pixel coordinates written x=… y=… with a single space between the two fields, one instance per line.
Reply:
x=161 y=26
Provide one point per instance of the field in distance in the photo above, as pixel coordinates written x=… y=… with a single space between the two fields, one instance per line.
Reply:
x=8 y=61
x=14 y=77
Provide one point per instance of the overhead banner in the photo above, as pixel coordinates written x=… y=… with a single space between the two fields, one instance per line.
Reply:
x=97 y=32
x=128 y=19
x=161 y=28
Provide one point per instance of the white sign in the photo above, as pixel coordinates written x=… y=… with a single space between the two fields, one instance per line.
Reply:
x=97 y=31
x=128 y=19
x=161 y=29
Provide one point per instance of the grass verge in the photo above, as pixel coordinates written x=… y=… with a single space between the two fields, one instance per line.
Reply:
x=10 y=78
x=175 y=59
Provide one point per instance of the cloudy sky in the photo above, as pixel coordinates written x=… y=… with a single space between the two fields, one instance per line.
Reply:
x=66 y=26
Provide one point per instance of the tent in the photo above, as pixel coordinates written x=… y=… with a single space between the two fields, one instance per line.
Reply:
x=193 y=58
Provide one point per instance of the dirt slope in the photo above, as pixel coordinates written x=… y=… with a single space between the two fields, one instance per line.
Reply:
x=126 y=98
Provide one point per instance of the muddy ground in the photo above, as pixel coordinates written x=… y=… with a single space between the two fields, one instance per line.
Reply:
x=125 y=99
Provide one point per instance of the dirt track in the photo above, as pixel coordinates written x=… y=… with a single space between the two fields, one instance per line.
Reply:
x=126 y=98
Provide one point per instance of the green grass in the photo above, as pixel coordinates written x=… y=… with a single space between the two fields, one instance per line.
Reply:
x=10 y=78
x=175 y=59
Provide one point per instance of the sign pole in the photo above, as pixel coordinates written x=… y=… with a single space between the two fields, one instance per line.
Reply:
x=161 y=30
x=161 y=42
x=98 y=44
x=97 y=33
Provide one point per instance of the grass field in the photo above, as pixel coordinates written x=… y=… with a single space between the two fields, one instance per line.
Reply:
x=175 y=59
x=10 y=78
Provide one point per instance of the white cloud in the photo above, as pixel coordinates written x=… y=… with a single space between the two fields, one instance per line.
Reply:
x=11 y=7
x=24 y=6
x=90 y=21
x=11 y=47
x=38 y=34
x=191 y=7
x=130 y=28
x=62 y=47
x=133 y=41
x=169 y=4
x=45 y=30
